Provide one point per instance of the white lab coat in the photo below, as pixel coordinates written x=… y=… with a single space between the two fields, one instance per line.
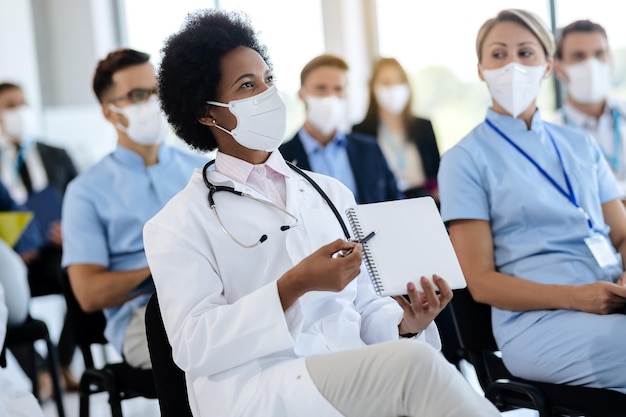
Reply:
x=242 y=354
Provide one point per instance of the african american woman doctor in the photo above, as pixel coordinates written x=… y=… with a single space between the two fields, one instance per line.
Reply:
x=264 y=315
x=535 y=216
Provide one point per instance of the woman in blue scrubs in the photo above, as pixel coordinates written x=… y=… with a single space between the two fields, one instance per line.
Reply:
x=537 y=221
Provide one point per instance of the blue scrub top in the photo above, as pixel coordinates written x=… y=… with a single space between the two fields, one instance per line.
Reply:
x=538 y=234
x=105 y=209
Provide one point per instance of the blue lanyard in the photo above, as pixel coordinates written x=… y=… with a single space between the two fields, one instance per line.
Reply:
x=569 y=194
x=21 y=155
x=617 y=140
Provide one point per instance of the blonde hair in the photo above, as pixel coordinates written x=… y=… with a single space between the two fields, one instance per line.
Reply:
x=525 y=18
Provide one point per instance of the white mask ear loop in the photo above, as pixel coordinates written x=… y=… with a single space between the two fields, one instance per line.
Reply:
x=222 y=129
x=119 y=111
x=217 y=103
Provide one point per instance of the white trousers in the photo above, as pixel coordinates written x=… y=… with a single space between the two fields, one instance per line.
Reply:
x=403 y=378
x=135 y=346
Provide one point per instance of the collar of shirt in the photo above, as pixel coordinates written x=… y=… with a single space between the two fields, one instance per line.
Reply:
x=513 y=126
x=132 y=159
x=580 y=119
x=258 y=177
x=312 y=146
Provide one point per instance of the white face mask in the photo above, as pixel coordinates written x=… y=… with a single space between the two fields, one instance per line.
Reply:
x=19 y=122
x=588 y=81
x=146 y=122
x=514 y=86
x=325 y=113
x=393 y=98
x=261 y=120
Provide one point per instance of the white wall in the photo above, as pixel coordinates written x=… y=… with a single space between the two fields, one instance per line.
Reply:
x=18 y=56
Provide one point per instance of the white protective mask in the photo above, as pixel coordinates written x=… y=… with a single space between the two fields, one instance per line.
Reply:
x=326 y=113
x=19 y=122
x=393 y=98
x=588 y=81
x=261 y=120
x=147 y=124
x=514 y=86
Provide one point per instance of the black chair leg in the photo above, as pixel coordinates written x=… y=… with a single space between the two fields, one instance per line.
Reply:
x=83 y=404
x=116 y=404
x=53 y=366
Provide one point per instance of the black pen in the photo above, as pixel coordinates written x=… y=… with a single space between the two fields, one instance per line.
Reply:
x=362 y=241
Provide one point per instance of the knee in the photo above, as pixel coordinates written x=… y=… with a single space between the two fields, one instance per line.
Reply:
x=410 y=352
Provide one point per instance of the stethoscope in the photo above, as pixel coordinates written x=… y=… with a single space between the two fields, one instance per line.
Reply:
x=215 y=188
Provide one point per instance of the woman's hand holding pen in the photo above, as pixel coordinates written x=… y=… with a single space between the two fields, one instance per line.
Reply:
x=323 y=270
x=422 y=307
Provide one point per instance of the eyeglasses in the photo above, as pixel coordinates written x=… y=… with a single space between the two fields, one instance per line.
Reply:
x=135 y=96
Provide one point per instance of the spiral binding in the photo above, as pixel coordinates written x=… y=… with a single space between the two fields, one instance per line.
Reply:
x=355 y=224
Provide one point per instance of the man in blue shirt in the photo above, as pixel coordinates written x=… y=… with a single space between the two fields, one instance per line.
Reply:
x=105 y=207
x=320 y=146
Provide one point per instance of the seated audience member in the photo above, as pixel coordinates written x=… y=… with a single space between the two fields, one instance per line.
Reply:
x=13 y=402
x=320 y=146
x=407 y=141
x=36 y=174
x=583 y=64
x=106 y=206
x=13 y=272
x=284 y=326
x=536 y=219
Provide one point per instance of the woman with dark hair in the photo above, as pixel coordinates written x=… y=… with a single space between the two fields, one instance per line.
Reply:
x=407 y=141
x=266 y=312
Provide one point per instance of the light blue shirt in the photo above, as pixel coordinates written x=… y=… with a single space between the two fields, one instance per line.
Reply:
x=332 y=159
x=538 y=234
x=105 y=209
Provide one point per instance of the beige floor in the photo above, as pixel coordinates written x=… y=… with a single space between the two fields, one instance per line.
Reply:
x=51 y=310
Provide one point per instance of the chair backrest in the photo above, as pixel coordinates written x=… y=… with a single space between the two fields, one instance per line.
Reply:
x=88 y=327
x=169 y=379
x=473 y=326
x=473 y=322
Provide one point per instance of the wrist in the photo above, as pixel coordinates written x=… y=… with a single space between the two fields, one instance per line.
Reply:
x=404 y=333
x=290 y=288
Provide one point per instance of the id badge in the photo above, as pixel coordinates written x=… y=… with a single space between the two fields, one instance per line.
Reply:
x=601 y=250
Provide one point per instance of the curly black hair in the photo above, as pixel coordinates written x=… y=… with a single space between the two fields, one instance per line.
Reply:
x=190 y=69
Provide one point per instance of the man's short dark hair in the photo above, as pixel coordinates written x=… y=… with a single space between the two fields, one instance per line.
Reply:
x=6 y=86
x=115 y=61
x=190 y=69
x=325 y=60
x=584 y=26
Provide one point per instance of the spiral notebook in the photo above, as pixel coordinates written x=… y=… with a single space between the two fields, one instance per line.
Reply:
x=411 y=241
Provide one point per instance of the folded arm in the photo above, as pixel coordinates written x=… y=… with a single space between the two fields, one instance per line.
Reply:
x=95 y=287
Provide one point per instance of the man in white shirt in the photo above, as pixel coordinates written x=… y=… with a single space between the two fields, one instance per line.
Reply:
x=583 y=64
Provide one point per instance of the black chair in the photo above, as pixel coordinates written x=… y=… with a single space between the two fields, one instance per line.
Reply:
x=473 y=325
x=120 y=380
x=28 y=333
x=169 y=379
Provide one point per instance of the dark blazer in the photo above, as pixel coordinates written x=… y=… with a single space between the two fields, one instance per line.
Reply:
x=59 y=167
x=421 y=133
x=374 y=180
x=31 y=238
